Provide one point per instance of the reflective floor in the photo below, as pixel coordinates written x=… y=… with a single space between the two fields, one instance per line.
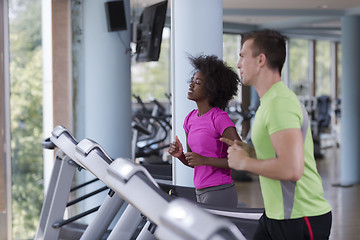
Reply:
x=345 y=201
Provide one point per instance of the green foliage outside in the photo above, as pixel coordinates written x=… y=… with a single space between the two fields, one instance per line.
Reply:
x=323 y=68
x=231 y=50
x=26 y=116
x=152 y=79
x=339 y=69
x=299 y=66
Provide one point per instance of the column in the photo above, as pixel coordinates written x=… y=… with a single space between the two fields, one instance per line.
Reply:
x=196 y=28
x=102 y=85
x=350 y=99
x=5 y=158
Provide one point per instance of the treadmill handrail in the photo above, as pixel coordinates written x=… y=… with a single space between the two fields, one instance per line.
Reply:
x=48 y=144
x=85 y=146
x=181 y=218
x=125 y=176
x=124 y=169
x=58 y=130
x=65 y=141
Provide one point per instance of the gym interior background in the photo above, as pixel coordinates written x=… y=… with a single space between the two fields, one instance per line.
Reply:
x=43 y=72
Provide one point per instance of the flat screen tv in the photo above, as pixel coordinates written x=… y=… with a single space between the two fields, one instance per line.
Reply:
x=115 y=15
x=149 y=32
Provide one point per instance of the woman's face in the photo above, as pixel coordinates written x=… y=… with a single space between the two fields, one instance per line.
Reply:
x=196 y=87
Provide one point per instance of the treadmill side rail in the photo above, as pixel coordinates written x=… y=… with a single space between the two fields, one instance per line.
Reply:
x=183 y=220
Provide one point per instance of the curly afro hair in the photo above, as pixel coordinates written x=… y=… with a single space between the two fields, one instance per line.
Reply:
x=221 y=81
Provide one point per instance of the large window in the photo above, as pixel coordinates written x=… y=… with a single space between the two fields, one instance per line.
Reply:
x=300 y=66
x=339 y=70
x=26 y=116
x=323 y=68
x=152 y=79
x=231 y=49
x=298 y=56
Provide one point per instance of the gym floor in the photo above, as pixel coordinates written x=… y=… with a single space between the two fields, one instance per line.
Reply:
x=343 y=200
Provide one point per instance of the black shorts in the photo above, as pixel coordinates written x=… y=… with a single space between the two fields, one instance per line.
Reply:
x=312 y=228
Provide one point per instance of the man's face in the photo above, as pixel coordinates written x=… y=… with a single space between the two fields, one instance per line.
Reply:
x=247 y=63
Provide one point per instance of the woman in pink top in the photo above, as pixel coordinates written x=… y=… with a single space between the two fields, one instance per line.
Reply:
x=212 y=87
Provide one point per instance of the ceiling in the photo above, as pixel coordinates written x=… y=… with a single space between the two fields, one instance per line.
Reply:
x=302 y=18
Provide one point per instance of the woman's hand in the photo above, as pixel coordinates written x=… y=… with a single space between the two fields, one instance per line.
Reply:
x=176 y=148
x=195 y=159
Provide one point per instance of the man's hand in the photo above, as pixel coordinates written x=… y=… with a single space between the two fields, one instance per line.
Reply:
x=238 y=153
x=246 y=147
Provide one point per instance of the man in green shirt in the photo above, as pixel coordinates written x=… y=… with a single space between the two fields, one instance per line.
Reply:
x=291 y=187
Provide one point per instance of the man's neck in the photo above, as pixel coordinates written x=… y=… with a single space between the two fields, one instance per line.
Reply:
x=265 y=81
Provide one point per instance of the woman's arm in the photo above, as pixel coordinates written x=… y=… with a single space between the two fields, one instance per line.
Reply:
x=195 y=159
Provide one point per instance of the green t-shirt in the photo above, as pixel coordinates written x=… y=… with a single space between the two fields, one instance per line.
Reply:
x=280 y=109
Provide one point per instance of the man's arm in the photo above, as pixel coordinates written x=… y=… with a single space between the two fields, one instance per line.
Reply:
x=288 y=165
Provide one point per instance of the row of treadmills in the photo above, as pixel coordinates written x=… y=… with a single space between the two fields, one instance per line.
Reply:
x=148 y=205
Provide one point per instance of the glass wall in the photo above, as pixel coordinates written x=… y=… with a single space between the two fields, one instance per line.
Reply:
x=339 y=70
x=152 y=79
x=26 y=116
x=323 y=68
x=298 y=58
x=231 y=49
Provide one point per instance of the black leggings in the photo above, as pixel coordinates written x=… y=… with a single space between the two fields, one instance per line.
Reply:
x=309 y=228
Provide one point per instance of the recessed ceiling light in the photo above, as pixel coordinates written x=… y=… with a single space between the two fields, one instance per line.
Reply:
x=322 y=6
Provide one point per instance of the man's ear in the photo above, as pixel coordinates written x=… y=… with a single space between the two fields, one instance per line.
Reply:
x=262 y=59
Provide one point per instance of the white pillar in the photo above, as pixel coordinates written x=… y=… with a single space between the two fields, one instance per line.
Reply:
x=107 y=88
x=196 y=28
x=104 y=88
x=350 y=99
x=46 y=20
